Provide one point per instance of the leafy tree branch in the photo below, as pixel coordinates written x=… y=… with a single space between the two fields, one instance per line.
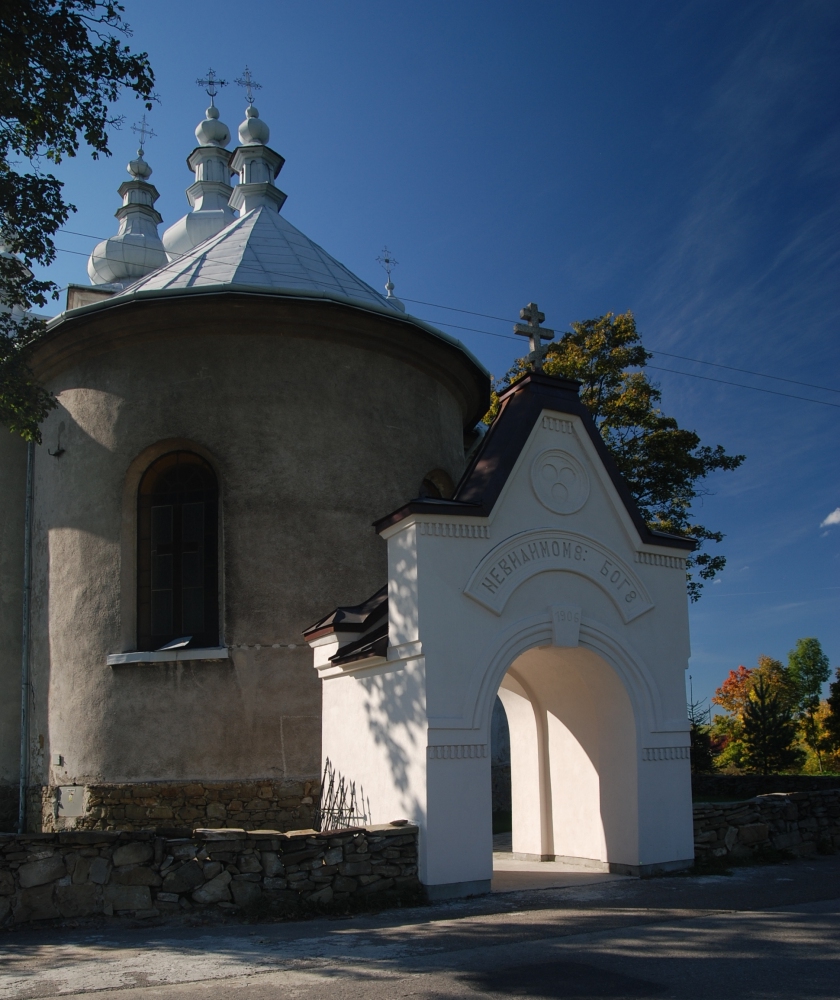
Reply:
x=63 y=63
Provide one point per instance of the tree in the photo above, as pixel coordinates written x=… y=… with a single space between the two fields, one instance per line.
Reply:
x=769 y=731
x=733 y=694
x=62 y=64
x=663 y=465
x=734 y=697
x=702 y=751
x=809 y=669
x=832 y=720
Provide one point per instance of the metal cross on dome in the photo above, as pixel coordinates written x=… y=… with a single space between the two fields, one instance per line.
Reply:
x=210 y=84
x=249 y=83
x=144 y=130
x=535 y=332
x=387 y=260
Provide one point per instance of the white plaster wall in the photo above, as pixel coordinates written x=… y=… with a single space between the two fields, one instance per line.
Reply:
x=530 y=799
x=626 y=681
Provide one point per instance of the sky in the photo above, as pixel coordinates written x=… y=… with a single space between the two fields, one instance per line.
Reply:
x=677 y=159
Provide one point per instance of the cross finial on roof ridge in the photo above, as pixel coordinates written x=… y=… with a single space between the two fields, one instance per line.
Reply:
x=249 y=83
x=144 y=130
x=210 y=84
x=534 y=332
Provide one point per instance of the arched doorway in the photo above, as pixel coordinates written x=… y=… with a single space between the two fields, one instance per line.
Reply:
x=573 y=751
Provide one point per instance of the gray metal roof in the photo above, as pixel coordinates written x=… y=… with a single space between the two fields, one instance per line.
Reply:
x=261 y=249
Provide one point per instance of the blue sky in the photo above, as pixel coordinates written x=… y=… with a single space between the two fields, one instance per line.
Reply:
x=678 y=159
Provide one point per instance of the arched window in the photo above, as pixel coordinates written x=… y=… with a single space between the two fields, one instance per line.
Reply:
x=177 y=557
x=437 y=485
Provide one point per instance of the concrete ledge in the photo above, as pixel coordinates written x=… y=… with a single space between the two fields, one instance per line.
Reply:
x=590 y=864
x=457 y=890
x=645 y=871
x=169 y=656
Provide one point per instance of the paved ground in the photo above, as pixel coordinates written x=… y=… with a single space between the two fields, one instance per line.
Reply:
x=769 y=932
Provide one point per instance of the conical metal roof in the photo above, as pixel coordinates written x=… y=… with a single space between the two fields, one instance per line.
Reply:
x=262 y=249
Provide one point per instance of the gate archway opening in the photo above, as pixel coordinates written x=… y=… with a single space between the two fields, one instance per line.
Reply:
x=574 y=795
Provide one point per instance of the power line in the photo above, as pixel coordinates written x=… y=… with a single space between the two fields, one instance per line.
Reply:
x=740 y=385
x=502 y=336
x=746 y=371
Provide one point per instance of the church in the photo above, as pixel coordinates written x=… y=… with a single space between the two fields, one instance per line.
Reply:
x=266 y=529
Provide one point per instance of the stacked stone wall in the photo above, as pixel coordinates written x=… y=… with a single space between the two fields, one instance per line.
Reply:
x=8 y=807
x=802 y=823
x=136 y=876
x=183 y=806
x=747 y=786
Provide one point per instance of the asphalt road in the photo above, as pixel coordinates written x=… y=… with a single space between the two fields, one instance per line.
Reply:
x=765 y=932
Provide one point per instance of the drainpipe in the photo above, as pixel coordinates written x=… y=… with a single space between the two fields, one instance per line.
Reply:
x=24 y=662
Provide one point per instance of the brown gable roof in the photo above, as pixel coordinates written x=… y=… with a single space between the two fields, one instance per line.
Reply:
x=485 y=476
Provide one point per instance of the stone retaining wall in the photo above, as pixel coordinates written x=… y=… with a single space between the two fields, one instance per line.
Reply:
x=747 y=786
x=141 y=875
x=801 y=822
x=249 y=805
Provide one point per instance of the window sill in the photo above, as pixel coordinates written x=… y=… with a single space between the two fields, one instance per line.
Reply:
x=169 y=656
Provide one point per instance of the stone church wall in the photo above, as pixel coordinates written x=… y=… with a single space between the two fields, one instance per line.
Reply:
x=12 y=499
x=286 y=401
x=251 y=805
x=133 y=876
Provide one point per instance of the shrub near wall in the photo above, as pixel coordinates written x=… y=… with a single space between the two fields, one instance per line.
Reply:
x=141 y=875
x=802 y=823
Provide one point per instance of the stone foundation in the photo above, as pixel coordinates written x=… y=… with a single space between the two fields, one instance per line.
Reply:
x=8 y=807
x=181 y=806
x=137 y=876
x=802 y=822
x=746 y=786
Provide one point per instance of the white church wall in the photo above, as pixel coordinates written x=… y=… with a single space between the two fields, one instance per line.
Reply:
x=626 y=683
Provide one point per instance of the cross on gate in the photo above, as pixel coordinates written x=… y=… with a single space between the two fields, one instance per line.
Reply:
x=249 y=83
x=144 y=130
x=535 y=332
x=210 y=83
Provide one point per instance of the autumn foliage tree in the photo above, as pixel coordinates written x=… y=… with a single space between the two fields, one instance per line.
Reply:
x=663 y=464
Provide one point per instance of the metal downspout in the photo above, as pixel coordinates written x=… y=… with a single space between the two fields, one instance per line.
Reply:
x=24 y=662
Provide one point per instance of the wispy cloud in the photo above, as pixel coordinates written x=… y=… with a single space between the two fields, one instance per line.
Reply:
x=833 y=518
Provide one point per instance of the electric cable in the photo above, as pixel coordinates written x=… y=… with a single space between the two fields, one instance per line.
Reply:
x=503 y=336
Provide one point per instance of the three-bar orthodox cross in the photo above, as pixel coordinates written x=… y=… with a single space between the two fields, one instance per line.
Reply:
x=211 y=83
x=249 y=83
x=144 y=130
x=534 y=332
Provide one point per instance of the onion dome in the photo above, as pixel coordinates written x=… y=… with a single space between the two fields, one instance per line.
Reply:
x=257 y=166
x=136 y=250
x=209 y=195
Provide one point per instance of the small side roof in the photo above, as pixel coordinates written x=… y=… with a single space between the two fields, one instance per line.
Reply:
x=482 y=482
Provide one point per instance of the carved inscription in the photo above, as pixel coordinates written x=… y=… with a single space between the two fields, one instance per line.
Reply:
x=540 y=549
x=522 y=556
x=565 y=621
